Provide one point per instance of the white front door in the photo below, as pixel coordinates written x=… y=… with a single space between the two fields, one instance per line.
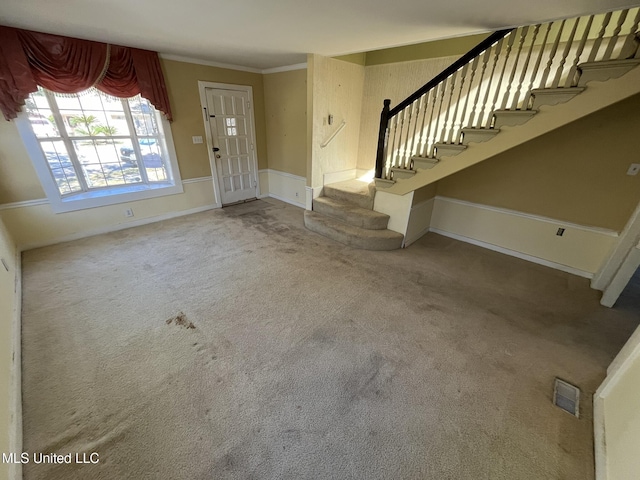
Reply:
x=232 y=135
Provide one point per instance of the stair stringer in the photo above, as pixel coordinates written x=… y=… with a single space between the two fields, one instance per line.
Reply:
x=596 y=96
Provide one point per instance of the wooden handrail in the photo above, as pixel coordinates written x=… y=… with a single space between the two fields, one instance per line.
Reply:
x=455 y=66
x=387 y=113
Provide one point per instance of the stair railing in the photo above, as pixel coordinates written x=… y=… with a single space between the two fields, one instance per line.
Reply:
x=500 y=73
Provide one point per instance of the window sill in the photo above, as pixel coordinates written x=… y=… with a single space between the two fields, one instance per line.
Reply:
x=113 y=196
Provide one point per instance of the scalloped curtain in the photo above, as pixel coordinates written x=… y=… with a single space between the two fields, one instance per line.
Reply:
x=70 y=65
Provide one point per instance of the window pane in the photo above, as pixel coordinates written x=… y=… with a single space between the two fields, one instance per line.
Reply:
x=40 y=115
x=61 y=167
x=144 y=117
x=102 y=166
x=105 y=151
x=92 y=114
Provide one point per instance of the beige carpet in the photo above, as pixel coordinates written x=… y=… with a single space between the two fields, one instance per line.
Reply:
x=235 y=344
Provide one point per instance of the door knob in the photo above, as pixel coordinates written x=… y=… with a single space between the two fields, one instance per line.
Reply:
x=217 y=155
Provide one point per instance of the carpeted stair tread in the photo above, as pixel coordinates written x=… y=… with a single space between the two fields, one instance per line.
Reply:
x=350 y=235
x=350 y=213
x=354 y=191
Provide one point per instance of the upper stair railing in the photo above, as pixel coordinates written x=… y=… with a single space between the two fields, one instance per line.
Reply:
x=498 y=74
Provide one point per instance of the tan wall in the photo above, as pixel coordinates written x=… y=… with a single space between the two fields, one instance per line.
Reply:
x=286 y=121
x=576 y=173
x=439 y=48
x=425 y=193
x=357 y=58
x=337 y=89
x=18 y=179
x=395 y=82
x=182 y=83
x=8 y=301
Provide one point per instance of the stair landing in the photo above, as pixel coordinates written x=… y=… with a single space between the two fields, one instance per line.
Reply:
x=345 y=214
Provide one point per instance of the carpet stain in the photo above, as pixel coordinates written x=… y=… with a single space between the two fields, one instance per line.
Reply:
x=373 y=380
x=181 y=321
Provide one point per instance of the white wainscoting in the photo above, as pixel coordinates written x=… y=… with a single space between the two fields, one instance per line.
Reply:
x=33 y=224
x=419 y=221
x=283 y=186
x=580 y=250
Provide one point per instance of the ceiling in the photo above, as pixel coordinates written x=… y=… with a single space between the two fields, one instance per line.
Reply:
x=264 y=34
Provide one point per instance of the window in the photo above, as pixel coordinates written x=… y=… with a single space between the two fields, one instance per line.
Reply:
x=90 y=149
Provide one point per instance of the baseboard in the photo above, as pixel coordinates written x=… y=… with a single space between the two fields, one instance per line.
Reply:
x=513 y=253
x=15 y=434
x=115 y=228
x=287 y=200
x=342 y=176
x=580 y=250
x=286 y=187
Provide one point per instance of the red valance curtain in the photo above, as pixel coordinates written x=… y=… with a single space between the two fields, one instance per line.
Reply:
x=70 y=65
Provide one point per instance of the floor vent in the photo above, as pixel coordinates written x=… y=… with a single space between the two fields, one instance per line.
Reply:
x=567 y=397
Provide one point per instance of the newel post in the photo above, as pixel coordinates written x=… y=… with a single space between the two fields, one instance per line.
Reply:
x=382 y=136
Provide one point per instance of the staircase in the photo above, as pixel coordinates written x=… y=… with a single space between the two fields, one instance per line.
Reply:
x=345 y=214
x=504 y=82
x=544 y=75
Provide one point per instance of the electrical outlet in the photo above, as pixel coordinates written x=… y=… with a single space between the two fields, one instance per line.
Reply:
x=197 y=139
x=128 y=212
x=297 y=194
x=560 y=232
x=633 y=169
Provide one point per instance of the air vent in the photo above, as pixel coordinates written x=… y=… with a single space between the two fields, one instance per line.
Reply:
x=567 y=397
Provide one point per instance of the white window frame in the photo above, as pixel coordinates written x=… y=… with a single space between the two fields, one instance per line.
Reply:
x=99 y=197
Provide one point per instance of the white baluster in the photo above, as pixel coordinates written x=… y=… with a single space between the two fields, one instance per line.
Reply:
x=454 y=124
x=445 y=124
x=443 y=87
x=507 y=93
x=614 y=38
x=565 y=54
x=630 y=46
x=428 y=105
x=419 y=107
x=428 y=143
x=573 y=71
x=392 y=145
x=406 y=157
x=516 y=94
x=398 y=157
x=474 y=66
x=512 y=38
x=534 y=73
x=552 y=54
x=598 y=40
x=485 y=103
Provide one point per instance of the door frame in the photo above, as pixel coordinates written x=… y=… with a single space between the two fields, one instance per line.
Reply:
x=202 y=87
x=620 y=257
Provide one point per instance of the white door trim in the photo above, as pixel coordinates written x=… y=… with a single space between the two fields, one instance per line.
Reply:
x=626 y=242
x=621 y=278
x=202 y=86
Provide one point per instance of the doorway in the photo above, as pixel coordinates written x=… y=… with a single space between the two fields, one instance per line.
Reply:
x=230 y=129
